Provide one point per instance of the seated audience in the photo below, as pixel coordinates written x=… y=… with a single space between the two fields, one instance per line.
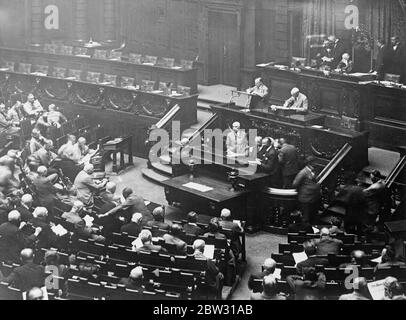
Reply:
x=191 y=226
x=268 y=268
x=86 y=186
x=227 y=224
x=326 y=244
x=13 y=239
x=270 y=290
x=47 y=238
x=28 y=275
x=174 y=238
x=25 y=208
x=134 y=227
x=159 y=219
x=393 y=289
x=312 y=258
x=146 y=238
x=360 y=291
x=213 y=276
x=309 y=287
x=45 y=189
x=79 y=225
x=135 y=280
x=214 y=228
x=389 y=259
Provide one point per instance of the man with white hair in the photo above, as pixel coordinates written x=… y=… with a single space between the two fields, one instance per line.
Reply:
x=237 y=143
x=297 y=102
x=227 y=224
x=326 y=244
x=135 y=280
x=47 y=237
x=13 y=239
x=146 y=239
x=214 y=278
x=269 y=290
x=79 y=225
x=345 y=65
x=268 y=268
x=259 y=94
x=134 y=227
x=25 y=208
x=109 y=195
x=86 y=186
x=32 y=107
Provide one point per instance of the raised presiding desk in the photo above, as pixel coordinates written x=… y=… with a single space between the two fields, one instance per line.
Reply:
x=120 y=111
x=353 y=102
x=131 y=66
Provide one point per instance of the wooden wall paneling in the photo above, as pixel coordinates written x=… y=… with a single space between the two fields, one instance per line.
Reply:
x=81 y=32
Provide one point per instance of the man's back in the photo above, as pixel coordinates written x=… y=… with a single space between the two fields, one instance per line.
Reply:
x=328 y=245
x=192 y=229
x=159 y=224
x=263 y=296
x=290 y=165
x=181 y=246
x=28 y=276
x=132 y=229
x=82 y=182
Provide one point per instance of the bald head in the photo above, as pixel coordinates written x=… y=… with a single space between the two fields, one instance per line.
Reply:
x=225 y=214
x=111 y=187
x=324 y=232
x=82 y=141
x=42 y=171
x=294 y=92
x=40 y=212
x=358 y=257
x=27 y=255
x=136 y=274
x=27 y=200
x=269 y=265
x=35 y=294
x=14 y=216
x=137 y=218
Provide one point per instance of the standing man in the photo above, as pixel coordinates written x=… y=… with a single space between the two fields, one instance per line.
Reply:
x=32 y=108
x=236 y=142
x=398 y=56
x=269 y=163
x=259 y=94
x=289 y=161
x=382 y=60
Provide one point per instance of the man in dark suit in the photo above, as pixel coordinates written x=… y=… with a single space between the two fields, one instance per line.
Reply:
x=46 y=191
x=268 y=268
x=269 y=163
x=159 y=219
x=47 y=238
x=227 y=225
x=326 y=244
x=309 y=287
x=270 y=290
x=191 y=227
x=214 y=278
x=133 y=228
x=288 y=158
x=132 y=203
x=382 y=59
x=27 y=276
x=312 y=259
x=13 y=239
x=174 y=238
x=148 y=246
x=397 y=54
x=338 y=49
x=135 y=280
x=26 y=208
x=309 y=193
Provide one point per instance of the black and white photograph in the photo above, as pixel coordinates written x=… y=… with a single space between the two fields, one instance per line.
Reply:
x=202 y=154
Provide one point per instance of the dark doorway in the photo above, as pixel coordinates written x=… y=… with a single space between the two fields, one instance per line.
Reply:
x=224 y=48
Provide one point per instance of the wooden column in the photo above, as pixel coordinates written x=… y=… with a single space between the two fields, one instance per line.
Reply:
x=80 y=20
x=36 y=21
x=109 y=22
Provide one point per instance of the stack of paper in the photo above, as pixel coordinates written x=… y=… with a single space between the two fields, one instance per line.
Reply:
x=89 y=221
x=299 y=257
x=377 y=289
x=198 y=187
x=137 y=243
x=59 y=230
x=209 y=251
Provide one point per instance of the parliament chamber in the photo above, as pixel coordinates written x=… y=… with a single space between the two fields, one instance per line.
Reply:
x=169 y=151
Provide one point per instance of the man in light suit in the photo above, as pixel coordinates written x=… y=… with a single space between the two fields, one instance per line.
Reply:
x=297 y=102
x=86 y=186
x=237 y=142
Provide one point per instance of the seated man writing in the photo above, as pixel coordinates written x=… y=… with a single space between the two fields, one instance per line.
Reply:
x=297 y=102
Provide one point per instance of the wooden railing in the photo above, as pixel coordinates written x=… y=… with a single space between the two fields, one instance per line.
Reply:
x=334 y=163
x=395 y=183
